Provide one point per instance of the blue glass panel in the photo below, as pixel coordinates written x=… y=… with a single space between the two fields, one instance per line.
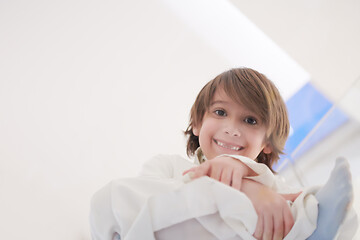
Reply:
x=306 y=108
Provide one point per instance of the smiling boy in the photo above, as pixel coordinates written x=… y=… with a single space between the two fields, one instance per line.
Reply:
x=237 y=130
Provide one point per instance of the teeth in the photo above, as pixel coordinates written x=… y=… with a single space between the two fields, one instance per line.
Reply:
x=227 y=146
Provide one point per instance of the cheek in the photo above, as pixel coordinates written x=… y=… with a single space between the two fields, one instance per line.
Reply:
x=209 y=127
x=258 y=138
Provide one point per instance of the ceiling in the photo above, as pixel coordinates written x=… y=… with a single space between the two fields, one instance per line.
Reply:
x=322 y=36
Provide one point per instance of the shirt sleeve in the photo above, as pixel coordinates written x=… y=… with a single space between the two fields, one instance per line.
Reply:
x=159 y=166
x=103 y=223
x=165 y=167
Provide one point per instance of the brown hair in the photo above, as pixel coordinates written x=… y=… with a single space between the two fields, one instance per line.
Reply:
x=254 y=90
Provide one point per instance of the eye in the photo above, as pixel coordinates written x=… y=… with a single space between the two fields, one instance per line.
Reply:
x=220 y=112
x=250 y=120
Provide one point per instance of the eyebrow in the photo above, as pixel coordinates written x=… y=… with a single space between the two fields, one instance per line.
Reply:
x=218 y=102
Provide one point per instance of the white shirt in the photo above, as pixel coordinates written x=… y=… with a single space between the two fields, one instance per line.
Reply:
x=162 y=203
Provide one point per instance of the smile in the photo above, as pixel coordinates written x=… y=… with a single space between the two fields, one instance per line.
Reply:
x=228 y=146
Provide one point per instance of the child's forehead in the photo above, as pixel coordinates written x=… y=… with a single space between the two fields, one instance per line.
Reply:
x=221 y=96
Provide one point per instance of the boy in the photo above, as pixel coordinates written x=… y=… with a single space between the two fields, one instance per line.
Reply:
x=238 y=128
x=241 y=112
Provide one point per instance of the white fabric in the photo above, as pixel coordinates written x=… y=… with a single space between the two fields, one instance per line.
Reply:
x=161 y=203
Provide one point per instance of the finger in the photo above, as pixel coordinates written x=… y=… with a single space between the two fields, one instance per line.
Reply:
x=202 y=170
x=259 y=227
x=268 y=227
x=215 y=173
x=278 y=226
x=291 y=197
x=236 y=180
x=226 y=176
x=288 y=220
x=189 y=170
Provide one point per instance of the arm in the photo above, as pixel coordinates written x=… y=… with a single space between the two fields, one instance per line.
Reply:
x=274 y=216
x=165 y=167
x=158 y=166
x=225 y=169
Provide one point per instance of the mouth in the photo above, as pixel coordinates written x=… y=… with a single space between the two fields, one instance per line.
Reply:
x=228 y=146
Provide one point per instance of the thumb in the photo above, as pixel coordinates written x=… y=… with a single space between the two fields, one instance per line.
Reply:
x=291 y=196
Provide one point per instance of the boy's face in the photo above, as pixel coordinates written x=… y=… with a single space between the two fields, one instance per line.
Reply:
x=230 y=128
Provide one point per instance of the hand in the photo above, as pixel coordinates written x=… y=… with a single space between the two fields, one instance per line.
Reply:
x=225 y=169
x=274 y=216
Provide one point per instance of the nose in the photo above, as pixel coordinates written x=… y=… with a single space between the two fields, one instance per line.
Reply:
x=233 y=133
x=232 y=130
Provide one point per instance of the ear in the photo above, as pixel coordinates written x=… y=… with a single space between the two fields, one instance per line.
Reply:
x=267 y=149
x=196 y=131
